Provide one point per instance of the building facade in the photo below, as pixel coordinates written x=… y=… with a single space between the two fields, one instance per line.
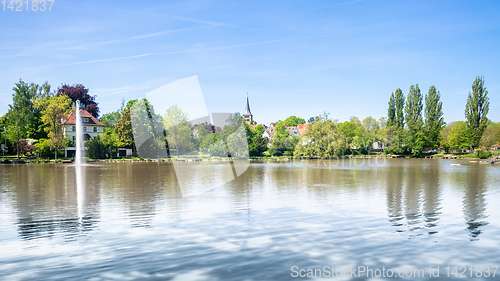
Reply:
x=91 y=126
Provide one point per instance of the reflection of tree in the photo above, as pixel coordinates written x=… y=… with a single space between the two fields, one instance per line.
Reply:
x=414 y=206
x=140 y=187
x=432 y=197
x=394 y=197
x=46 y=201
x=474 y=205
x=412 y=197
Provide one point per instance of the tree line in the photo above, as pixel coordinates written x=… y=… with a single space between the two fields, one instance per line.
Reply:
x=32 y=122
x=414 y=124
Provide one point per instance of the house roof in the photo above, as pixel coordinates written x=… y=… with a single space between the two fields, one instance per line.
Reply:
x=71 y=119
x=496 y=145
x=302 y=128
x=270 y=131
x=253 y=127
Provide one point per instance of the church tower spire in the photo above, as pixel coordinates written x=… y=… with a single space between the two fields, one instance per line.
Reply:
x=248 y=114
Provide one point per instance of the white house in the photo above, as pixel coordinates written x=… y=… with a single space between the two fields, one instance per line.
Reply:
x=91 y=126
x=91 y=129
x=293 y=131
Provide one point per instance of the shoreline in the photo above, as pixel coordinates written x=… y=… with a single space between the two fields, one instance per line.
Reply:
x=492 y=161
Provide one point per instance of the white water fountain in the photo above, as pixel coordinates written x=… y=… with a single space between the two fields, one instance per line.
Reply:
x=80 y=152
x=79 y=161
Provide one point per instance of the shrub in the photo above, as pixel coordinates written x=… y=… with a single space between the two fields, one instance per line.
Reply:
x=100 y=148
x=43 y=148
x=481 y=154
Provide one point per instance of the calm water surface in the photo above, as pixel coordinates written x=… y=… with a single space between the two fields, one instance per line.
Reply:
x=129 y=221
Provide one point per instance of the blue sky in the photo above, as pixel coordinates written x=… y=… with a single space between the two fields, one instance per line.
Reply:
x=293 y=57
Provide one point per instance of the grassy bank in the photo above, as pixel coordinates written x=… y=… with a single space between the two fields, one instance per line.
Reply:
x=476 y=155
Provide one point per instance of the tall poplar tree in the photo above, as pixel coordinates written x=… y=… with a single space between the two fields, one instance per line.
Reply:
x=414 y=120
x=400 y=104
x=396 y=121
x=434 y=121
x=476 y=111
x=391 y=112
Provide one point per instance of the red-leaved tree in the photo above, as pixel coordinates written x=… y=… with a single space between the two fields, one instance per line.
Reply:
x=79 y=92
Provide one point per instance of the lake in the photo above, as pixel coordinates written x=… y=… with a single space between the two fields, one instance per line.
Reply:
x=277 y=221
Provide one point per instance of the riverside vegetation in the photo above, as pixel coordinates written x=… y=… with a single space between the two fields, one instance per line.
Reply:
x=414 y=127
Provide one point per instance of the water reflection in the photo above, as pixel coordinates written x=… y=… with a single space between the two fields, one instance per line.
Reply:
x=432 y=197
x=395 y=197
x=61 y=201
x=50 y=200
x=414 y=204
x=474 y=202
x=58 y=199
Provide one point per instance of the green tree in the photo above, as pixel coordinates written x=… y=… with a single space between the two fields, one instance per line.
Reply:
x=391 y=111
x=491 y=135
x=371 y=125
x=459 y=136
x=321 y=139
x=445 y=133
x=148 y=130
x=179 y=133
x=53 y=109
x=280 y=139
x=312 y=119
x=123 y=127
x=43 y=148
x=414 y=120
x=476 y=111
x=400 y=105
x=102 y=147
x=394 y=133
x=294 y=121
x=213 y=145
x=23 y=113
x=234 y=136
x=434 y=121
x=256 y=143
x=110 y=119
x=371 y=128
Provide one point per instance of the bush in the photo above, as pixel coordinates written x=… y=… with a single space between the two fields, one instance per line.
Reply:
x=481 y=154
x=43 y=148
x=99 y=148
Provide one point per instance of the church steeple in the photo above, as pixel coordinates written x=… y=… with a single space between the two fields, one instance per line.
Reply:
x=248 y=114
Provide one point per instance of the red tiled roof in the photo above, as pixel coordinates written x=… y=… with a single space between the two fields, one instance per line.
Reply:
x=70 y=120
x=496 y=145
x=302 y=128
x=253 y=127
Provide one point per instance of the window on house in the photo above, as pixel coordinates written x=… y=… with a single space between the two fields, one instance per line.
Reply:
x=95 y=129
x=73 y=128
x=85 y=129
